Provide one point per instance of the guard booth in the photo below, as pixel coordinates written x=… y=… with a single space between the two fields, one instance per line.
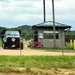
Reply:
x=43 y=34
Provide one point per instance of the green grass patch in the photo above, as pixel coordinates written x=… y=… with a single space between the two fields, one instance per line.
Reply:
x=68 y=46
x=42 y=62
x=54 y=49
x=36 y=65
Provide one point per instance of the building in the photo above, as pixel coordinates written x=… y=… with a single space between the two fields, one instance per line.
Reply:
x=43 y=33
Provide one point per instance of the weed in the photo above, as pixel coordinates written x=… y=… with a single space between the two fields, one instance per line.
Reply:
x=28 y=69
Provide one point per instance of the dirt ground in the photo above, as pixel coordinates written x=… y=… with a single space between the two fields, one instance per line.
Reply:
x=31 y=52
x=36 y=71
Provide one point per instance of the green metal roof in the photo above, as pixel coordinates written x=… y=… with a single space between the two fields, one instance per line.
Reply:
x=50 y=24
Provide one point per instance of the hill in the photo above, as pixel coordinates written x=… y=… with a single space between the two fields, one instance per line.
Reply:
x=25 y=29
x=2 y=28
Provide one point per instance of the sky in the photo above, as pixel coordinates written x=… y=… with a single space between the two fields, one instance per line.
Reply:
x=14 y=13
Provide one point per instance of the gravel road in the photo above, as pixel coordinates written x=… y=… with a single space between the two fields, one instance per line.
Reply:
x=31 y=52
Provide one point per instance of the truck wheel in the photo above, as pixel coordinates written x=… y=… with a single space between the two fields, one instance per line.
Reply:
x=21 y=45
x=4 y=45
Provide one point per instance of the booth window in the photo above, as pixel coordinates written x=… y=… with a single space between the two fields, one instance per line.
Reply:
x=50 y=35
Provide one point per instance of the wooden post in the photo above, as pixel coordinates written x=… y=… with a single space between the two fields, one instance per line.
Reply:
x=53 y=13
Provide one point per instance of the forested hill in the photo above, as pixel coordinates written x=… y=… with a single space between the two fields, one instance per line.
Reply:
x=2 y=28
x=24 y=29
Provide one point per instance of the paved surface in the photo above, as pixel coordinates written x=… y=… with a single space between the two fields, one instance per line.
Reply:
x=30 y=52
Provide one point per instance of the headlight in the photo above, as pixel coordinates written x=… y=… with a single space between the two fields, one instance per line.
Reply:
x=21 y=39
x=4 y=39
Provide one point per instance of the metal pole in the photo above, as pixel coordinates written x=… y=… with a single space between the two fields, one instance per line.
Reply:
x=20 y=46
x=53 y=22
x=44 y=11
x=62 y=44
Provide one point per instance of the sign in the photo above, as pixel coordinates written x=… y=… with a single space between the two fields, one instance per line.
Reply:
x=40 y=35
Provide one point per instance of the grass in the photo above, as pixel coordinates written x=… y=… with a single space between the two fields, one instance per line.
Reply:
x=36 y=65
x=43 y=62
x=67 y=49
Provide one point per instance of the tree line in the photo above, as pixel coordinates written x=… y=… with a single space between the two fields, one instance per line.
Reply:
x=27 y=32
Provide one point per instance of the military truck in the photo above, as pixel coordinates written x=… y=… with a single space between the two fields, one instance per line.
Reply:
x=11 y=38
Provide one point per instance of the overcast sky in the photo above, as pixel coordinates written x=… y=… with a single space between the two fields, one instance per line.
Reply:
x=15 y=13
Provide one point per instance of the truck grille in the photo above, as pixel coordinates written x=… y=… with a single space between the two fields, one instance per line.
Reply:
x=17 y=41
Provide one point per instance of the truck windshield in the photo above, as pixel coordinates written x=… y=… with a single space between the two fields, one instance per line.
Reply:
x=12 y=33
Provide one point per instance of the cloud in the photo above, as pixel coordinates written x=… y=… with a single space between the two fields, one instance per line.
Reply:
x=18 y=12
x=64 y=10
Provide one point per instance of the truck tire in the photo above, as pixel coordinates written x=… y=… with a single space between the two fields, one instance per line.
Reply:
x=4 y=45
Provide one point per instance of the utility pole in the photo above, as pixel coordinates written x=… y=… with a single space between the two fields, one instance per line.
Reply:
x=44 y=11
x=53 y=13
